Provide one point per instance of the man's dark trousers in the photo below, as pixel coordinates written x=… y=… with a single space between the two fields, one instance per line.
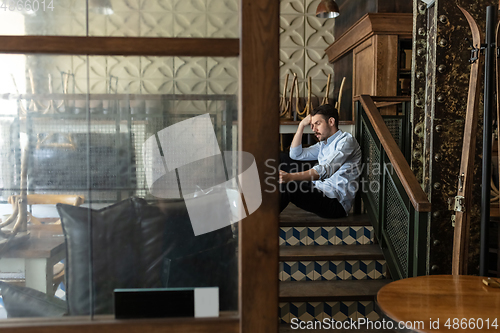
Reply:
x=303 y=194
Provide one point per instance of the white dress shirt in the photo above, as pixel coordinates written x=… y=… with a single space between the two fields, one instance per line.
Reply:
x=339 y=159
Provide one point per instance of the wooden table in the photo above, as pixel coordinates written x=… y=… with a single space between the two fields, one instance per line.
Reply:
x=426 y=299
x=36 y=257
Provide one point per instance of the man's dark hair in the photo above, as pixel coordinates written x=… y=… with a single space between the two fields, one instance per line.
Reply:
x=327 y=111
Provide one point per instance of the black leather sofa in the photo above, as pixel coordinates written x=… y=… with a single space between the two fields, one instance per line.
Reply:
x=132 y=244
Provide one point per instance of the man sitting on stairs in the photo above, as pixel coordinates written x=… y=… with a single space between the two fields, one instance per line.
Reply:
x=329 y=187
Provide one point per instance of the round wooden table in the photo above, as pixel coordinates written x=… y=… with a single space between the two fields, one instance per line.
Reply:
x=441 y=303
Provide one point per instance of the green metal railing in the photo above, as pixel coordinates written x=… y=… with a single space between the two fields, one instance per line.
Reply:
x=391 y=195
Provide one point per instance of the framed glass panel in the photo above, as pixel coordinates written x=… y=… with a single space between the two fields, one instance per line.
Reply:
x=145 y=147
x=131 y=18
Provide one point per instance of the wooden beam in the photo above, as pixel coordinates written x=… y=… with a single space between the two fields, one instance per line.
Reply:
x=259 y=135
x=417 y=196
x=371 y=24
x=126 y=46
x=108 y=324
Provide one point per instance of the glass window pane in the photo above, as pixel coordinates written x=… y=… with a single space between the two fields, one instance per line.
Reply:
x=147 y=144
x=132 y=18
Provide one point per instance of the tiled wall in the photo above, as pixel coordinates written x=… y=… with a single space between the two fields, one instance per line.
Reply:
x=303 y=40
x=339 y=311
x=302 y=43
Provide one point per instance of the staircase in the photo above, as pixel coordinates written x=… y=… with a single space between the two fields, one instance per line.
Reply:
x=329 y=268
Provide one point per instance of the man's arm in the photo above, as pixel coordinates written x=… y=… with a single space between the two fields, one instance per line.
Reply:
x=310 y=174
x=297 y=138
x=348 y=148
x=296 y=150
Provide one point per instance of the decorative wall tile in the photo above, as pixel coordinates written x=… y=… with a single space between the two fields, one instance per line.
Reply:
x=190 y=6
x=310 y=6
x=322 y=236
x=380 y=270
x=190 y=25
x=292 y=6
x=283 y=234
x=298 y=271
x=124 y=23
x=366 y=309
x=157 y=24
x=190 y=86
x=329 y=270
x=292 y=31
x=366 y=236
x=161 y=68
x=356 y=270
x=121 y=5
x=223 y=6
x=284 y=310
x=222 y=86
x=340 y=311
x=345 y=236
x=222 y=68
x=303 y=311
x=317 y=35
x=319 y=32
x=292 y=61
x=294 y=236
x=124 y=68
x=157 y=86
x=318 y=311
x=155 y=5
x=97 y=24
x=316 y=64
x=222 y=25
x=190 y=68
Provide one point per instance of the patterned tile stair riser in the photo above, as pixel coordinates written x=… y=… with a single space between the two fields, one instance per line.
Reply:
x=302 y=236
x=318 y=311
x=351 y=266
x=332 y=270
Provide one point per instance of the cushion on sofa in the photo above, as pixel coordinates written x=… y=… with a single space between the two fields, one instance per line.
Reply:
x=27 y=302
x=133 y=243
x=127 y=247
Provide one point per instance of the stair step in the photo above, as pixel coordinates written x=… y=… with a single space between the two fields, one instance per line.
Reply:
x=285 y=328
x=293 y=216
x=331 y=252
x=324 y=291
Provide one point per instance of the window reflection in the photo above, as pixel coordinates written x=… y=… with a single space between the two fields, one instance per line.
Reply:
x=73 y=131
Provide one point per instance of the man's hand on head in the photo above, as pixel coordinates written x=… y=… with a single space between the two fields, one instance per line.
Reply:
x=306 y=121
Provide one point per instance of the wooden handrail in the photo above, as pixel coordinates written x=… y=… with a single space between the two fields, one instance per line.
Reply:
x=410 y=183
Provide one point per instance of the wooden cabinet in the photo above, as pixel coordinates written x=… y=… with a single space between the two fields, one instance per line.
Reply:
x=376 y=46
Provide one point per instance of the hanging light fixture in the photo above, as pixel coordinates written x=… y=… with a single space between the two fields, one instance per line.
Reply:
x=327 y=9
x=102 y=7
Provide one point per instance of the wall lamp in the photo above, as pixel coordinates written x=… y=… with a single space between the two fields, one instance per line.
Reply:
x=327 y=9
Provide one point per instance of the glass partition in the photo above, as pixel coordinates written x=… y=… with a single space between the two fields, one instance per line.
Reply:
x=134 y=156
x=131 y=18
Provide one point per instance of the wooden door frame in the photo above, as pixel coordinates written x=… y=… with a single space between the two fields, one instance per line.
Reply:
x=258 y=50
